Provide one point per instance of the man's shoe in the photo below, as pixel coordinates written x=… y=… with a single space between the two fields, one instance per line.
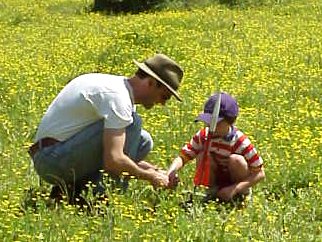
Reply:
x=56 y=194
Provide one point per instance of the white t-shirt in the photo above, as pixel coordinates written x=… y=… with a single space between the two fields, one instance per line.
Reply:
x=85 y=100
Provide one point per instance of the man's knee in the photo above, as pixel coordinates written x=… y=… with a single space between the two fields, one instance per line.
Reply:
x=146 y=140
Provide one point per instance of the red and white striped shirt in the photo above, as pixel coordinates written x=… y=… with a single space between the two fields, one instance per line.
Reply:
x=221 y=147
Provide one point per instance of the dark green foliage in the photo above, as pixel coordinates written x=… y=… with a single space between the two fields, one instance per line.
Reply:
x=136 y=6
x=133 y=6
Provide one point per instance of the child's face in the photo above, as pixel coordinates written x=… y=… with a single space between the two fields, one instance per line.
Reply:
x=222 y=128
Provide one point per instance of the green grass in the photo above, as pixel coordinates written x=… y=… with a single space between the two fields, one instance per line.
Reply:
x=269 y=57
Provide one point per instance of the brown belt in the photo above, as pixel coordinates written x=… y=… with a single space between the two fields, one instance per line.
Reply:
x=42 y=143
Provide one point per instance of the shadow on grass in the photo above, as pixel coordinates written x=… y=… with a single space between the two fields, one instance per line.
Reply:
x=34 y=200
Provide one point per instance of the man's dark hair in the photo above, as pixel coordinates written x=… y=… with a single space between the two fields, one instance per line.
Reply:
x=142 y=74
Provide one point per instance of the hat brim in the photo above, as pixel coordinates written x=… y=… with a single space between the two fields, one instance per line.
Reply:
x=206 y=117
x=147 y=70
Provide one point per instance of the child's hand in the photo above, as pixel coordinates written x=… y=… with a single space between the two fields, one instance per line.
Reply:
x=227 y=193
x=173 y=179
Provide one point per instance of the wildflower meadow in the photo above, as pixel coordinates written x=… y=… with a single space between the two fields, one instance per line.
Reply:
x=267 y=56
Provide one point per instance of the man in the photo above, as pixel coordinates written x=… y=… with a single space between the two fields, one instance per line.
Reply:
x=91 y=127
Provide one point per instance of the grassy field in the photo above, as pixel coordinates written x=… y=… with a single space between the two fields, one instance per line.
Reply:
x=268 y=57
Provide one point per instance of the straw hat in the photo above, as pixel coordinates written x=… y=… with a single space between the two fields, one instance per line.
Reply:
x=164 y=70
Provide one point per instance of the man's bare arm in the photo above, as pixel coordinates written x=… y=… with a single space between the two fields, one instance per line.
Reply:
x=116 y=162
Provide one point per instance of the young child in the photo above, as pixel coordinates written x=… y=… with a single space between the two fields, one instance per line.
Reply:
x=232 y=165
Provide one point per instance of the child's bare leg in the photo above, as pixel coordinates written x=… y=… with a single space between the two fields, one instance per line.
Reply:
x=238 y=169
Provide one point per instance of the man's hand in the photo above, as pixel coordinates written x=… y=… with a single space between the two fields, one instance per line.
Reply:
x=159 y=178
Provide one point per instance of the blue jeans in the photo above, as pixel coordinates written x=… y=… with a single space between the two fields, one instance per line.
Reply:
x=79 y=159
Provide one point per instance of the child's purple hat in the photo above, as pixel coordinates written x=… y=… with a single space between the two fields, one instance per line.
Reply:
x=228 y=108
